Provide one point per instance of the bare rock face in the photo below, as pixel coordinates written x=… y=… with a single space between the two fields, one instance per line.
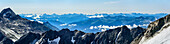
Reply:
x=156 y=26
x=7 y=13
x=14 y=26
x=121 y=35
x=30 y=38
x=4 y=39
x=125 y=36
x=152 y=29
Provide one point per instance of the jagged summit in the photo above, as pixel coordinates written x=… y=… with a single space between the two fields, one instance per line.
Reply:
x=7 y=13
x=5 y=10
x=15 y=26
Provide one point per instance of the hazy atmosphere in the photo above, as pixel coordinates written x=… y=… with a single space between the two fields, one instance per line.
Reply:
x=84 y=22
x=86 y=6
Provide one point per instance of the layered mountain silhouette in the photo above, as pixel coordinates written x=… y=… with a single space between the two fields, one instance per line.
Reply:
x=95 y=22
x=17 y=30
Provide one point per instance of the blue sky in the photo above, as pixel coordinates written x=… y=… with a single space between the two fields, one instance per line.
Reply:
x=86 y=6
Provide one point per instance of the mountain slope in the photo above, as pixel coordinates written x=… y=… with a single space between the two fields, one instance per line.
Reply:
x=14 y=26
x=161 y=38
x=47 y=24
x=155 y=29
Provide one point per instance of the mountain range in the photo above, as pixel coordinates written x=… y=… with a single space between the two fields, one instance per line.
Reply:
x=18 y=30
x=97 y=22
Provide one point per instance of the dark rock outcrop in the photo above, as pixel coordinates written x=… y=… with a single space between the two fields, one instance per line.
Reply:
x=4 y=39
x=29 y=38
x=121 y=35
x=137 y=31
x=125 y=36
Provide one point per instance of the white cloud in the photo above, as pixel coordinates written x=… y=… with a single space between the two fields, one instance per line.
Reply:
x=56 y=19
x=28 y=15
x=98 y=16
x=104 y=27
x=68 y=24
x=72 y=25
x=63 y=24
x=91 y=27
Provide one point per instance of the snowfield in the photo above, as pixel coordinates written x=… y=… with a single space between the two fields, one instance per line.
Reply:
x=55 y=41
x=161 y=38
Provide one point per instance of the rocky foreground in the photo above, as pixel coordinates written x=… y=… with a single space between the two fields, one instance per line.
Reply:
x=17 y=30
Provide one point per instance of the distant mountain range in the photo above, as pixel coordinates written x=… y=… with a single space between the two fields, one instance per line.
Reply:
x=97 y=22
x=156 y=33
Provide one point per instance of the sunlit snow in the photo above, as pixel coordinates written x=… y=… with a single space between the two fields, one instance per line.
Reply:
x=72 y=40
x=56 y=41
x=83 y=35
x=162 y=38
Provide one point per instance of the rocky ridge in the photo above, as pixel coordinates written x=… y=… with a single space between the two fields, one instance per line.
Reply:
x=153 y=29
x=13 y=26
x=121 y=35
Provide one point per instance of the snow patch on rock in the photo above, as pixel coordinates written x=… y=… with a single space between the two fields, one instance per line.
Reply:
x=83 y=35
x=55 y=41
x=72 y=40
x=117 y=36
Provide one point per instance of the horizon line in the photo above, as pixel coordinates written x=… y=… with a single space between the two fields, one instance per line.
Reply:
x=15 y=11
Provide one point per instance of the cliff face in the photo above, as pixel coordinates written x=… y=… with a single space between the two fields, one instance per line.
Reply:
x=156 y=26
x=153 y=29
